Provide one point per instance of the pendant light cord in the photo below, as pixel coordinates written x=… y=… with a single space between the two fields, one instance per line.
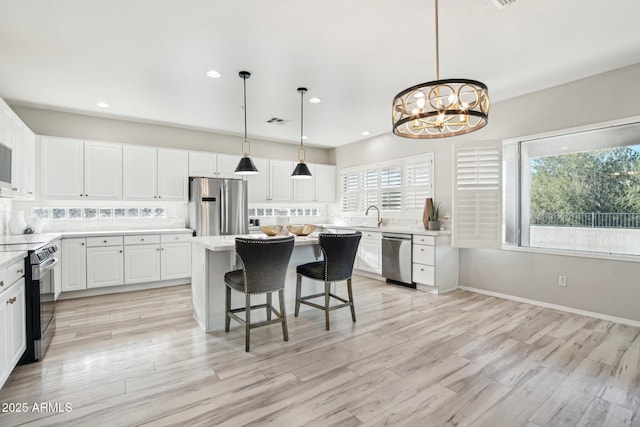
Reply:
x=437 y=46
x=244 y=82
x=301 y=116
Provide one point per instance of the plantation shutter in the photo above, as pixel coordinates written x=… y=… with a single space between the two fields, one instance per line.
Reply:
x=369 y=185
x=349 y=191
x=477 y=221
x=391 y=187
x=418 y=181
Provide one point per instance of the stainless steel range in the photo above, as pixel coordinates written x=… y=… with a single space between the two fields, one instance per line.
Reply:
x=39 y=291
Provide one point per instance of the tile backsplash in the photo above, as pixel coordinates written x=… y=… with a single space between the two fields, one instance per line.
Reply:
x=5 y=215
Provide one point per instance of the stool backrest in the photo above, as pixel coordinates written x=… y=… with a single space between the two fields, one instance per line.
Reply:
x=339 y=252
x=264 y=262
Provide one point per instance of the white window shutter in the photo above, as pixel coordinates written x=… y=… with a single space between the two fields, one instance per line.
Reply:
x=477 y=221
x=349 y=191
x=418 y=181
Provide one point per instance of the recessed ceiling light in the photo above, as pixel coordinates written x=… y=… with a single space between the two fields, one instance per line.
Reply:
x=213 y=74
x=103 y=104
x=315 y=100
x=565 y=148
x=305 y=137
x=366 y=133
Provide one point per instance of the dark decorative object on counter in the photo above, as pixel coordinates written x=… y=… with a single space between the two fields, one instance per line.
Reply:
x=425 y=215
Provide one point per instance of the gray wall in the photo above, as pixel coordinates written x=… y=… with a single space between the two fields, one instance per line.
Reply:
x=72 y=125
x=607 y=287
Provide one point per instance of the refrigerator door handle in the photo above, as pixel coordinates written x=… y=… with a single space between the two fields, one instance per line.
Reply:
x=224 y=201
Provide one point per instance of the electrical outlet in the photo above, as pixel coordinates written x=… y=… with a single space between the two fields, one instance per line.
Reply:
x=562 y=280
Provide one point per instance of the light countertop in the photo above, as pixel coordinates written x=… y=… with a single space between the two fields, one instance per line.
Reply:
x=102 y=233
x=228 y=243
x=8 y=258
x=391 y=229
x=20 y=239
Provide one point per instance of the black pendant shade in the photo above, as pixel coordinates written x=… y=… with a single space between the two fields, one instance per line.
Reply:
x=301 y=171
x=246 y=167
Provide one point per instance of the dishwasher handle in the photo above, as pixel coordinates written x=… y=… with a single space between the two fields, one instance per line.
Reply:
x=396 y=236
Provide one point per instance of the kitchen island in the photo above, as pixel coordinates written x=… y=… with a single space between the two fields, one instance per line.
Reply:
x=213 y=256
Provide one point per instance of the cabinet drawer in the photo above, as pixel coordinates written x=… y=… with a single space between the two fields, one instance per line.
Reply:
x=424 y=254
x=104 y=241
x=371 y=235
x=424 y=274
x=142 y=239
x=10 y=274
x=424 y=240
x=173 y=238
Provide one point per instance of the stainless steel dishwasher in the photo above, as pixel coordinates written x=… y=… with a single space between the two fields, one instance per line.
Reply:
x=396 y=258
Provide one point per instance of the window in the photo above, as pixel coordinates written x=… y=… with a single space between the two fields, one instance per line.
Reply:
x=393 y=186
x=577 y=191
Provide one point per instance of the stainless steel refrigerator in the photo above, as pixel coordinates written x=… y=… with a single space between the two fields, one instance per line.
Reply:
x=218 y=206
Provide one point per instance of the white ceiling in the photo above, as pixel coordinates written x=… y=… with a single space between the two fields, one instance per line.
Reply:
x=148 y=58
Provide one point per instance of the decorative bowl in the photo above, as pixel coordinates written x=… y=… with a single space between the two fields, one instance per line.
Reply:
x=271 y=230
x=301 y=230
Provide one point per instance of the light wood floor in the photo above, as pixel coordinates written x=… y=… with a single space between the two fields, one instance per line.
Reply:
x=411 y=359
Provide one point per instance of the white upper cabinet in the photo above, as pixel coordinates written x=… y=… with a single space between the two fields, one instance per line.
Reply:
x=320 y=188
x=280 y=180
x=73 y=169
x=203 y=164
x=16 y=135
x=102 y=171
x=140 y=172
x=325 y=183
x=227 y=164
x=258 y=185
x=62 y=168
x=152 y=173
x=173 y=174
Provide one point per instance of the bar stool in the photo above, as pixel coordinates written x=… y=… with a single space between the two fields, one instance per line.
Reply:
x=264 y=267
x=339 y=252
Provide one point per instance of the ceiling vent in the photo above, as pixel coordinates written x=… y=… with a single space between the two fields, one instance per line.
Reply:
x=501 y=4
x=277 y=121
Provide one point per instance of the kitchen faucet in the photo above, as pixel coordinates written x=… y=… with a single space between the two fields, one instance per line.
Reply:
x=376 y=208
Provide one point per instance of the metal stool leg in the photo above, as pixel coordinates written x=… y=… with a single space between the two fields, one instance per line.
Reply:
x=269 y=306
x=227 y=303
x=283 y=313
x=247 y=326
x=353 y=309
x=298 y=291
x=327 y=286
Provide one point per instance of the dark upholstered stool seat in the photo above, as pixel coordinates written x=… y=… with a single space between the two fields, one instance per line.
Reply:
x=264 y=268
x=339 y=251
x=235 y=279
x=313 y=270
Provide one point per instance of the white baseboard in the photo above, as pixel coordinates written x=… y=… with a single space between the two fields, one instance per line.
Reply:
x=601 y=316
x=123 y=288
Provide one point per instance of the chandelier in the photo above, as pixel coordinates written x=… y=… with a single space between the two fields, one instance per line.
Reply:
x=440 y=108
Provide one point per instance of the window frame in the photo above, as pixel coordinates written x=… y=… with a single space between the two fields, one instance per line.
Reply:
x=511 y=193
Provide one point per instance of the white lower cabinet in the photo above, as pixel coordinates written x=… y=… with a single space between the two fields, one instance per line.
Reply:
x=435 y=263
x=105 y=266
x=369 y=256
x=96 y=262
x=12 y=318
x=74 y=264
x=141 y=263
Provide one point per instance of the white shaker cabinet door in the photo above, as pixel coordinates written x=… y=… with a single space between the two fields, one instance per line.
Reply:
x=176 y=260
x=173 y=175
x=62 y=171
x=280 y=180
x=74 y=264
x=17 y=323
x=303 y=189
x=141 y=263
x=258 y=185
x=103 y=171
x=105 y=266
x=325 y=183
x=140 y=173
x=5 y=338
x=227 y=164
x=203 y=164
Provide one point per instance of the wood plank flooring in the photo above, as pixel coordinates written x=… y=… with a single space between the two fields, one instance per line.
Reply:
x=412 y=359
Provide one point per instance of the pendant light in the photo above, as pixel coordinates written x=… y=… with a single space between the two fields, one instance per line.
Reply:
x=440 y=108
x=302 y=170
x=245 y=166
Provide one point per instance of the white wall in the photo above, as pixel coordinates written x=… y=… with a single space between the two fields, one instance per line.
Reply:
x=71 y=125
x=5 y=215
x=607 y=287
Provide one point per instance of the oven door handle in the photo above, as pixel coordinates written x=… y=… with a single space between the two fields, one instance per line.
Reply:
x=41 y=270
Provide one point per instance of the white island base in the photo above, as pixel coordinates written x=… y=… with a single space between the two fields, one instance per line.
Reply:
x=213 y=256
